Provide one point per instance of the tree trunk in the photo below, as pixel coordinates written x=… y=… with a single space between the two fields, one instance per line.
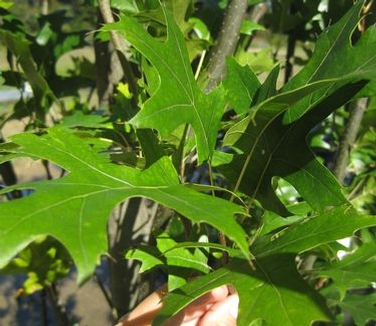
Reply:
x=130 y=225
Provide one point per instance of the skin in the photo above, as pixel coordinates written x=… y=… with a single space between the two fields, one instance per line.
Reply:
x=216 y=308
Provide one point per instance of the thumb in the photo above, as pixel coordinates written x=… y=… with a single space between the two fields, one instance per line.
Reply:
x=223 y=313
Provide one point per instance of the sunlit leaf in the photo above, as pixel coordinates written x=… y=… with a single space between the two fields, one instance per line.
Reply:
x=75 y=208
x=262 y=291
x=178 y=99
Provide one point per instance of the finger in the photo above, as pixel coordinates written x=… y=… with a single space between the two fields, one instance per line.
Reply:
x=146 y=310
x=191 y=314
x=223 y=313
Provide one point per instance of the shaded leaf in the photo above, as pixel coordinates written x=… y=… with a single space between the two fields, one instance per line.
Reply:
x=148 y=256
x=175 y=257
x=362 y=307
x=241 y=85
x=275 y=127
x=335 y=224
x=181 y=262
x=180 y=256
x=44 y=262
x=266 y=142
x=80 y=119
x=269 y=88
x=336 y=57
x=20 y=47
x=355 y=270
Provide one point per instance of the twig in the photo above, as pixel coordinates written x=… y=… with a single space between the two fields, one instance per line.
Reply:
x=225 y=46
x=226 y=42
x=44 y=307
x=105 y=9
x=348 y=138
x=357 y=109
x=103 y=289
x=59 y=309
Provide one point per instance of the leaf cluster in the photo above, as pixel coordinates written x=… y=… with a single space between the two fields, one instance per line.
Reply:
x=249 y=142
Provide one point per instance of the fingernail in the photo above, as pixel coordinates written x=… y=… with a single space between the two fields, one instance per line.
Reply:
x=233 y=306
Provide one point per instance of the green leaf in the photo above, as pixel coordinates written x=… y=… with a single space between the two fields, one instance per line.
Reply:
x=314 y=231
x=181 y=262
x=178 y=99
x=44 y=35
x=355 y=270
x=269 y=88
x=279 y=124
x=362 y=307
x=272 y=221
x=248 y=27
x=20 y=47
x=6 y=4
x=44 y=262
x=80 y=119
x=130 y=6
x=241 y=85
x=265 y=293
x=148 y=256
x=266 y=142
x=150 y=145
x=336 y=57
x=262 y=290
x=74 y=209
x=175 y=257
x=180 y=10
x=214 y=246
x=179 y=256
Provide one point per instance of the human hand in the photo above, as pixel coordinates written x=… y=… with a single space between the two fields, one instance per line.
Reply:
x=215 y=308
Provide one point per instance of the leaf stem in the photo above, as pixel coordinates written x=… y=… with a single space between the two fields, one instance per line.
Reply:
x=211 y=178
x=200 y=63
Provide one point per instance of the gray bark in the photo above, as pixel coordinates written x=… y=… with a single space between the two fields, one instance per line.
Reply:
x=226 y=43
x=347 y=141
x=130 y=225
